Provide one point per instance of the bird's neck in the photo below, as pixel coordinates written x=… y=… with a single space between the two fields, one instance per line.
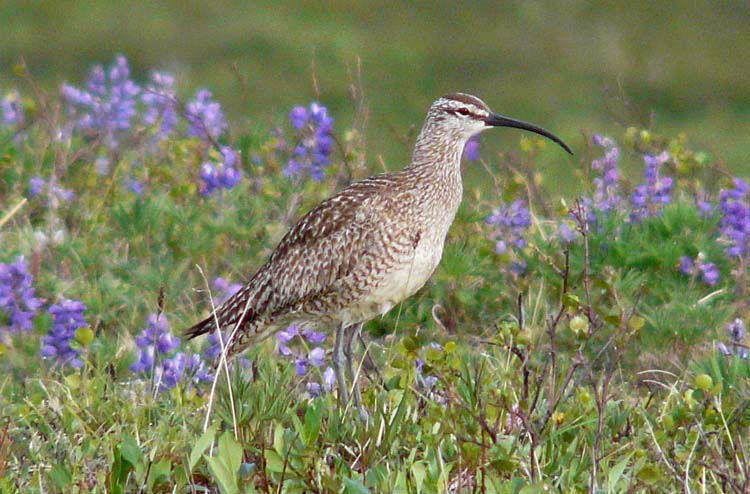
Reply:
x=437 y=154
x=436 y=166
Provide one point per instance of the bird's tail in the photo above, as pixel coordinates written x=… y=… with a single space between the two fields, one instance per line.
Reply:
x=240 y=310
x=203 y=327
x=225 y=316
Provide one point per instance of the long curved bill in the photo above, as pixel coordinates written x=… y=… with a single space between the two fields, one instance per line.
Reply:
x=496 y=120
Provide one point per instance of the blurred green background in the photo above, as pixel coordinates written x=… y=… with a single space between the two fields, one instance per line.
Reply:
x=573 y=66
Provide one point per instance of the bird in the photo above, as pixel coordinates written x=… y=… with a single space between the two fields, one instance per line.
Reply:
x=366 y=248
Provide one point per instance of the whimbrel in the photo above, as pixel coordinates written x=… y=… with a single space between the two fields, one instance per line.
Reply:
x=367 y=248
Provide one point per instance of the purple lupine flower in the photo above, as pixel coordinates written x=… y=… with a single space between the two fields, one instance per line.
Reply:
x=51 y=190
x=197 y=370
x=471 y=149
x=224 y=290
x=212 y=350
x=736 y=332
x=11 y=107
x=686 y=265
x=161 y=104
x=519 y=268
x=724 y=349
x=172 y=370
x=210 y=176
x=299 y=117
x=224 y=174
x=315 y=142
x=648 y=198
x=424 y=381
x=67 y=317
x=134 y=186
x=36 y=186
x=108 y=104
x=205 y=118
x=18 y=305
x=285 y=337
x=510 y=223
x=607 y=184
x=734 y=223
x=294 y=344
x=154 y=344
x=316 y=356
x=329 y=379
x=183 y=368
x=564 y=232
x=314 y=388
x=157 y=357
x=313 y=336
x=708 y=271
x=300 y=366
x=705 y=208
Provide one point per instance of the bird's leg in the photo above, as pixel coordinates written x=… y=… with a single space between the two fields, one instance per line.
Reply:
x=338 y=365
x=353 y=332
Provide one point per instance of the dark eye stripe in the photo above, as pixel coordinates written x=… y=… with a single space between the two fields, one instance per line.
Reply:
x=463 y=111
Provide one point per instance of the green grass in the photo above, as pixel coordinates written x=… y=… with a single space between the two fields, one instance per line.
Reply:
x=605 y=377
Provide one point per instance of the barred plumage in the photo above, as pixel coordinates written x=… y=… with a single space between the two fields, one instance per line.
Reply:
x=367 y=248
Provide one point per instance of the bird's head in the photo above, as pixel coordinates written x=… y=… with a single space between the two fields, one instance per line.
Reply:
x=466 y=116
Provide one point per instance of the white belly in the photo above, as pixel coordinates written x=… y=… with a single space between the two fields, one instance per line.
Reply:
x=399 y=284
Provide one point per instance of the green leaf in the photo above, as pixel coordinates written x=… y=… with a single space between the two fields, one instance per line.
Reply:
x=352 y=486
x=571 y=301
x=703 y=382
x=118 y=474
x=614 y=317
x=160 y=472
x=130 y=450
x=411 y=343
x=614 y=475
x=201 y=446
x=224 y=478
x=419 y=472
x=579 y=324
x=313 y=421
x=61 y=477
x=536 y=488
x=230 y=452
x=279 y=444
x=649 y=474
x=636 y=323
x=84 y=336
x=226 y=464
x=274 y=462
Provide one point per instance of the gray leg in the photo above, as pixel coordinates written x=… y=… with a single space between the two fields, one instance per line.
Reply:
x=353 y=333
x=338 y=366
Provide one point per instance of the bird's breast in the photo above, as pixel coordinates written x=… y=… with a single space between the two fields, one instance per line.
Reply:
x=404 y=278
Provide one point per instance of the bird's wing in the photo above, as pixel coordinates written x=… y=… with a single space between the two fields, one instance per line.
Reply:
x=320 y=255
x=331 y=242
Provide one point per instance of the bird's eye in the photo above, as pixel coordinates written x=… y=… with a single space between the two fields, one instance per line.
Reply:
x=463 y=111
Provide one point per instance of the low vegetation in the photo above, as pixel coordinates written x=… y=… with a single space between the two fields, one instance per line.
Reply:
x=566 y=344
